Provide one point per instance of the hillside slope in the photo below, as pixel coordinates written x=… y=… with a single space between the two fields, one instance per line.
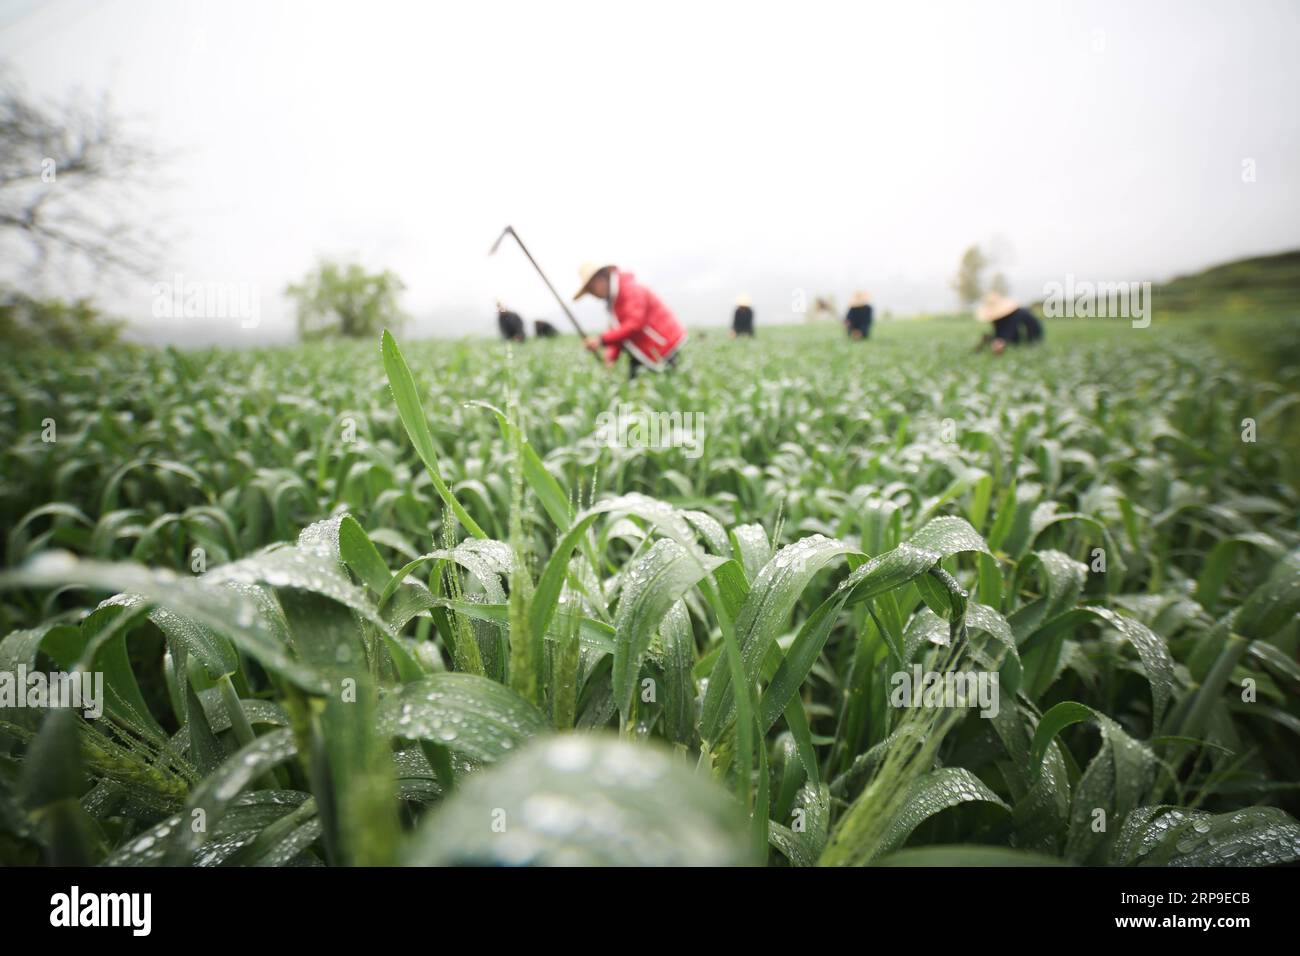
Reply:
x=1239 y=286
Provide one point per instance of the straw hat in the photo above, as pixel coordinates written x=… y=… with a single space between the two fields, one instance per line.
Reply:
x=859 y=298
x=743 y=301
x=994 y=306
x=586 y=272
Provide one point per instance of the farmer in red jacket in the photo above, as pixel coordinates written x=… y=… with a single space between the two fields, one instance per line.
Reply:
x=641 y=325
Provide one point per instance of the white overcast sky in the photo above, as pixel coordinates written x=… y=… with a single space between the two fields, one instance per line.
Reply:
x=713 y=148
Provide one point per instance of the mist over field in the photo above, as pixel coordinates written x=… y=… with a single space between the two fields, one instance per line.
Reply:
x=741 y=149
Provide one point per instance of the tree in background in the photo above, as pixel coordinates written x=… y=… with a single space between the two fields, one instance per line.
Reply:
x=69 y=200
x=969 y=281
x=998 y=283
x=342 y=299
x=69 y=177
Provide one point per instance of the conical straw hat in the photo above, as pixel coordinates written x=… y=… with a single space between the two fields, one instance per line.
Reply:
x=586 y=272
x=994 y=306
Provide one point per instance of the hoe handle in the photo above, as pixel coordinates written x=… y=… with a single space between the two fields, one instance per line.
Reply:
x=558 y=298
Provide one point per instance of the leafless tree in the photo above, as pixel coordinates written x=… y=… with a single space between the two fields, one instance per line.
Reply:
x=70 y=180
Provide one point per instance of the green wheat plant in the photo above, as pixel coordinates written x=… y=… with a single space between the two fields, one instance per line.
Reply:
x=414 y=608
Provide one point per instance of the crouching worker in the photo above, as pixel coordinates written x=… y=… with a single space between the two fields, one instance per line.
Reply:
x=640 y=324
x=858 y=319
x=1011 y=324
x=742 y=321
x=510 y=324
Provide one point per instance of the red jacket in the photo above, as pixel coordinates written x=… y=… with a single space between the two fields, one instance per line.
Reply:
x=645 y=326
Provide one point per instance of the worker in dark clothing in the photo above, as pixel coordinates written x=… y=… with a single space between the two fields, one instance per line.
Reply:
x=510 y=324
x=742 y=322
x=1010 y=323
x=544 y=330
x=858 y=319
x=1031 y=330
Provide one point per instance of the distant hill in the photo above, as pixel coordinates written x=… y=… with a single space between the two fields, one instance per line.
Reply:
x=1241 y=285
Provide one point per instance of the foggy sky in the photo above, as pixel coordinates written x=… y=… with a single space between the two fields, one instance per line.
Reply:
x=712 y=148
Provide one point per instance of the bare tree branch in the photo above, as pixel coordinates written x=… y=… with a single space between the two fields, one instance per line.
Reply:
x=69 y=176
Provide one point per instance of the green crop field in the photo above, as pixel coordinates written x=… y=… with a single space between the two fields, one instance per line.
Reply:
x=445 y=603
